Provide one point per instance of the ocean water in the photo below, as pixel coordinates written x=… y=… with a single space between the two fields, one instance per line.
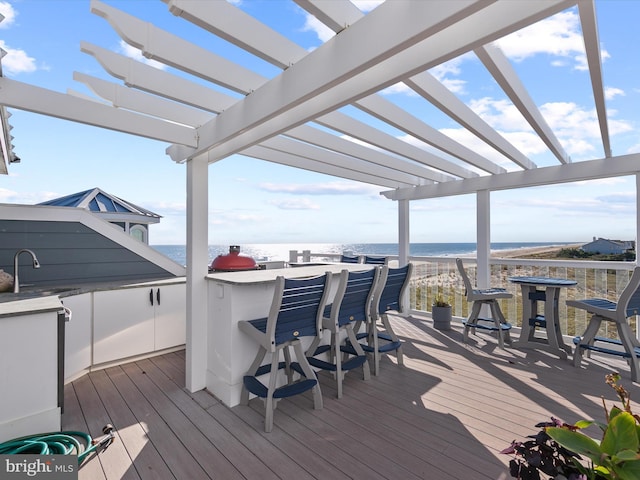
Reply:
x=280 y=251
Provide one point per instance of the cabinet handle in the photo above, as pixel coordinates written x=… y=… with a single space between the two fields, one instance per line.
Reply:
x=158 y=296
x=151 y=296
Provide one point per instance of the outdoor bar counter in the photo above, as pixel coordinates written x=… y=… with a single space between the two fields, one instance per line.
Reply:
x=245 y=295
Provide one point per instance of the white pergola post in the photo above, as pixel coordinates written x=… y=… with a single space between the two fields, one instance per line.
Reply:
x=483 y=237
x=403 y=232
x=197 y=269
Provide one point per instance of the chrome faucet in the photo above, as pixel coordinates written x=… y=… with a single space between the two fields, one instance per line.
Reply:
x=36 y=264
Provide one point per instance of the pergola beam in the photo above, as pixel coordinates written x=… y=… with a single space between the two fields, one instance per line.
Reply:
x=338 y=144
x=388 y=112
x=427 y=86
x=500 y=68
x=594 y=60
x=130 y=99
x=347 y=164
x=237 y=27
x=333 y=75
x=282 y=158
x=158 y=82
x=572 y=172
x=170 y=49
x=68 y=107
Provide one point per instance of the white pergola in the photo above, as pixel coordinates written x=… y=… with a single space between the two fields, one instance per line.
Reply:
x=296 y=117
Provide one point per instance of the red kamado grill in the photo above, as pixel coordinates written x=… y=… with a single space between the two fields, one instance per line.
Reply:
x=233 y=261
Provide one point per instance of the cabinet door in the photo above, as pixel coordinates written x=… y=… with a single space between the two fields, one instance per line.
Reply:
x=123 y=324
x=78 y=329
x=171 y=315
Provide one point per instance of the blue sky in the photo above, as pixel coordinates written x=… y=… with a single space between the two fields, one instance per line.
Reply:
x=256 y=202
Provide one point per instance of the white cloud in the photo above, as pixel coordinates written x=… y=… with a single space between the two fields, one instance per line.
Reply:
x=330 y=188
x=612 y=92
x=601 y=206
x=166 y=208
x=231 y=218
x=634 y=148
x=559 y=35
x=312 y=24
x=576 y=124
x=295 y=204
x=9 y=14
x=16 y=61
x=7 y=196
x=577 y=127
x=444 y=71
x=25 y=198
x=136 y=54
x=500 y=114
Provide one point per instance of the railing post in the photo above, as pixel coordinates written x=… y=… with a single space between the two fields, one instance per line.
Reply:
x=293 y=256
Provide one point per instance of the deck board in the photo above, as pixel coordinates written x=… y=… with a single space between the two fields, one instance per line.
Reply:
x=445 y=414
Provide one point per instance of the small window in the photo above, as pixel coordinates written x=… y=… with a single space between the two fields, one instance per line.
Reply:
x=139 y=233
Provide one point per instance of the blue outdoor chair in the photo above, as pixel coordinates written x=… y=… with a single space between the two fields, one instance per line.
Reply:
x=349 y=258
x=350 y=305
x=375 y=260
x=601 y=310
x=296 y=312
x=388 y=299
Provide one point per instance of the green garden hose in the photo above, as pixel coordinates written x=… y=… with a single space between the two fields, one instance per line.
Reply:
x=59 y=443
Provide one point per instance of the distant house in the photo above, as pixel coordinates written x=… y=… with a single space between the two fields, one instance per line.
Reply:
x=608 y=247
x=132 y=219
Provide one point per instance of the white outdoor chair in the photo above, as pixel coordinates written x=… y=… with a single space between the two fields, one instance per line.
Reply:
x=480 y=297
x=601 y=310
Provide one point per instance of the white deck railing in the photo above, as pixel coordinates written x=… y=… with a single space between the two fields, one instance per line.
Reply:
x=439 y=275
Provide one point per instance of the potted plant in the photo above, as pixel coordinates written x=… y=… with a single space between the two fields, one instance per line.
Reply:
x=562 y=451
x=441 y=313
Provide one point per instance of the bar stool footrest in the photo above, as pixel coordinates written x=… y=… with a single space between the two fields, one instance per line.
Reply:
x=609 y=351
x=390 y=346
x=257 y=388
x=488 y=324
x=264 y=369
x=538 y=321
x=350 y=364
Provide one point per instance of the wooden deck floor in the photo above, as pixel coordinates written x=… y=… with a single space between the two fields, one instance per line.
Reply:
x=445 y=415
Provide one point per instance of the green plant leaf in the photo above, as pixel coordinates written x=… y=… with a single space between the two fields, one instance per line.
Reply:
x=620 y=435
x=625 y=456
x=584 y=423
x=576 y=442
x=614 y=412
x=628 y=470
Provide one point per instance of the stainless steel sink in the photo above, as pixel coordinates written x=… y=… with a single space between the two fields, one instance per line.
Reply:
x=34 y=291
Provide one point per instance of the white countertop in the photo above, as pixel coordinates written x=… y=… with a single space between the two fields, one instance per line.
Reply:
x=264 y=276
x=30 y=305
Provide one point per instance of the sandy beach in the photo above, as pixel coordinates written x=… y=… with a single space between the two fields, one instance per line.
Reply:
x=535 y=252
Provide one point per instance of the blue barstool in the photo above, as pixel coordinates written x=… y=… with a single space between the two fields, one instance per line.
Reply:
x=296 y=312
